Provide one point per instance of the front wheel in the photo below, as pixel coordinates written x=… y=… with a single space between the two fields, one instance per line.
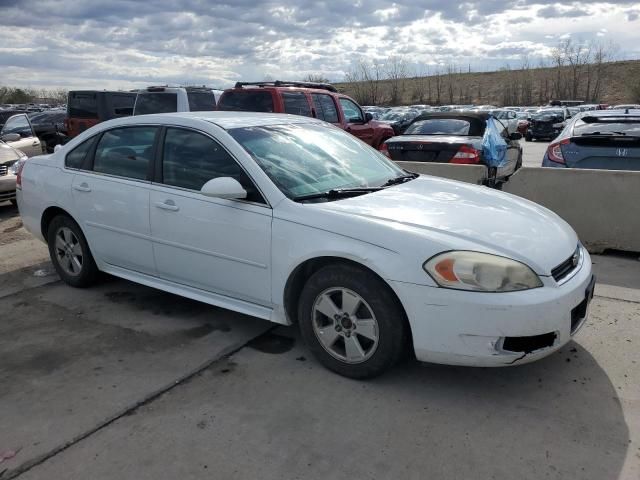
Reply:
x=352 y=322
x=70 y=253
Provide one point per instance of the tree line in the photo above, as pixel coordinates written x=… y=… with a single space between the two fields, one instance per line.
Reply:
x=15 y=95
x=575 y=70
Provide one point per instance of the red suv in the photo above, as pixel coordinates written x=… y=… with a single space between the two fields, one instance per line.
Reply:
x=317 y=100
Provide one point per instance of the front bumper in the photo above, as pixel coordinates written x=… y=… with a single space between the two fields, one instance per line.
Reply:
x=472 y=328
x=7 y=187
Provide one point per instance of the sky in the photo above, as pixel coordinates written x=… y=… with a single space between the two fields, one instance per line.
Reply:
x=123 y=44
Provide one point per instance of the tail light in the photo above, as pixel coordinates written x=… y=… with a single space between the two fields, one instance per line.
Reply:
x=384 y=150
x=19 y=168
x=554 y=152
x=466 y=155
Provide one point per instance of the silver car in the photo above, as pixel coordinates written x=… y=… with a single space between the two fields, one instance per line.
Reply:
x=9 y=159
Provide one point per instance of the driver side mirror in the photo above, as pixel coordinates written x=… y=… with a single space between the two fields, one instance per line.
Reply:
x=368 y=116
x=10 y=137
x=224 y=187
x=515 y=136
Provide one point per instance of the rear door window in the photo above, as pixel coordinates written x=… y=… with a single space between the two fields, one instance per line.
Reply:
x=201 y=101
x=246 y=101
x=156 y=102
x=296 y=103
x=325 y=107
x=439 y=126
x=125 y=152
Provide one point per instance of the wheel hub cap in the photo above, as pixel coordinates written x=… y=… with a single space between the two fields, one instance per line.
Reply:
x=345 y=325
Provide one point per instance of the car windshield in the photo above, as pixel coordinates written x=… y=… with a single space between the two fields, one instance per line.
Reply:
x=439 y=126
x=627 y=127
x=156 y=102
x=305 y=159
x=201 y=101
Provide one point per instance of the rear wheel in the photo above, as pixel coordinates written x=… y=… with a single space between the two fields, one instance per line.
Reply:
x=528 y=137
x=352 y=322
x=14 y=202
x=70 y=253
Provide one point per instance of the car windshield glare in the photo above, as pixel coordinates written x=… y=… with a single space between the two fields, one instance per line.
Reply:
x=439 y=126
x=305 y=159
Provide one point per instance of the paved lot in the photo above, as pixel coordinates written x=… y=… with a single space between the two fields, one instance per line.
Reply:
x=532 y=152
x=123 y=381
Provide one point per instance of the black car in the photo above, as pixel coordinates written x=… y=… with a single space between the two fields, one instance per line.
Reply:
x=49 y=126
x=398 y=120
x=451 y=137
x=547 y=123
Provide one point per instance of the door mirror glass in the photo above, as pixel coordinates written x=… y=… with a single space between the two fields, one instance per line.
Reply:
x=368 y=117
x=224 y=187
x=10 y=137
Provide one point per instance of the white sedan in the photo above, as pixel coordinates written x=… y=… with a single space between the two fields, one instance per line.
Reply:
x=292 y=220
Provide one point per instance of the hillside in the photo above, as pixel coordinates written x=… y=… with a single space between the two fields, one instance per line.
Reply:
x=607 y=82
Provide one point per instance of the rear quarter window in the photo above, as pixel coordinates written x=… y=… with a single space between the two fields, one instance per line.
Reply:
x=83 y=105
x=246 y=101
x=76 y=157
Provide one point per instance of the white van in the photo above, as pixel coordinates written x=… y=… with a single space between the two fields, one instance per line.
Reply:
x=165 y=99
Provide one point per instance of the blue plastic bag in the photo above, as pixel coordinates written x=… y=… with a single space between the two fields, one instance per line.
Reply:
x=494 y=147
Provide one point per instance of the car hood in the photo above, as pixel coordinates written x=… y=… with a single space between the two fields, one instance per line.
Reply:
x=7 y=153
x=457 y=215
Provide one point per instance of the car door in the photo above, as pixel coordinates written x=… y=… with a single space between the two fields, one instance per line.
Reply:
x=356 y=123
x=325 y=108
x=110 y=191
x=213 y=244
x=512 y=154
x=28 y=142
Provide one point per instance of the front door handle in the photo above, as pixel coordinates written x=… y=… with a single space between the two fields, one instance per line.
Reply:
x=35 y=143
x=83 y=187
x=167 y=205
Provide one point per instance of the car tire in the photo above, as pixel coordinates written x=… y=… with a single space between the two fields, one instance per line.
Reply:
x=528 y=137
x=70 y=253
x=372 y=336
x=14 y=202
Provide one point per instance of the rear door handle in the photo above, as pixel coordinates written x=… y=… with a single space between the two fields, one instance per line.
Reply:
x=83 y=187
x=167 y=205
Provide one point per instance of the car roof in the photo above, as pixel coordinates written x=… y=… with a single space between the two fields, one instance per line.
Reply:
x=224 y=119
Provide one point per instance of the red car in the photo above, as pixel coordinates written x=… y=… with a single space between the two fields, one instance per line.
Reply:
x=317 y=100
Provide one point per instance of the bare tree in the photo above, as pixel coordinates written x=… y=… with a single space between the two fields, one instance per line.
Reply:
x=396 y=71
x=421 y=90
x=365 y=79
x=315 y=78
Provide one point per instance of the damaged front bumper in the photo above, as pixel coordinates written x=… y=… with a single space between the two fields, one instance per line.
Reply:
x=496 y=329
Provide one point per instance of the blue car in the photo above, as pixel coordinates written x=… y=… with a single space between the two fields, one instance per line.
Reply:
x=600 y=139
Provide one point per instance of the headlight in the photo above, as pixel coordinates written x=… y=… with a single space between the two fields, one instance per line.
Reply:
x=480 y=272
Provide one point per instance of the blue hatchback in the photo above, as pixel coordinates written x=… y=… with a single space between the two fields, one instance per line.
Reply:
x=607 y=139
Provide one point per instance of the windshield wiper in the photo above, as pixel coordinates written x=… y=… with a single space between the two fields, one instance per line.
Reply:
x=400 y=179
x=337 y=193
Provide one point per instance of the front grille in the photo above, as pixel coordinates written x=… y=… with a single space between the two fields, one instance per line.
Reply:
x=3 y=170
x=566 y=267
